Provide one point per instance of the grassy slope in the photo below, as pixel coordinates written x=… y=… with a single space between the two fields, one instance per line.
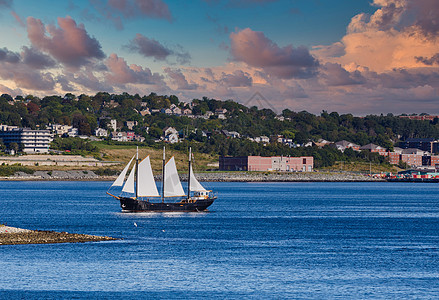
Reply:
x=124 y=153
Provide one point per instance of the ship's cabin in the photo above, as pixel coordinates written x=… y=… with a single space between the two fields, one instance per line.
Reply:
x=201 y=195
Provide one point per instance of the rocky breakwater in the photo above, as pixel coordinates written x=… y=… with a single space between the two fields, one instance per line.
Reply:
x=283 y=177
x=57 y=175
x=14 y=236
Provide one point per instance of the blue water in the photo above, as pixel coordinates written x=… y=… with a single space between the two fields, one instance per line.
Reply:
x=259 y=240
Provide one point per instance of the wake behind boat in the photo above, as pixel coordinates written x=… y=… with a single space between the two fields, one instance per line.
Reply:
x=146 y=198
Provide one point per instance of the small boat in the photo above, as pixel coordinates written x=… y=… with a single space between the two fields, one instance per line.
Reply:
x=140 y=194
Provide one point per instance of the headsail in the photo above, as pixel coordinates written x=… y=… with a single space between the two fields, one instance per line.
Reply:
x=195 y=185
x=147 y=187
x=129 y=184
x=120 y=179
x=172 y=186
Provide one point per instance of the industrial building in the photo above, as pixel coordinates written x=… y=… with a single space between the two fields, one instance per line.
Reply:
x=273 y=163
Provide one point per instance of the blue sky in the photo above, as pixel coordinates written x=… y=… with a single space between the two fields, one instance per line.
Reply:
x=349 y=56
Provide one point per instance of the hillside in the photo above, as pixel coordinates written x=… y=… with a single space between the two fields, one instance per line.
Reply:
x=211 y=127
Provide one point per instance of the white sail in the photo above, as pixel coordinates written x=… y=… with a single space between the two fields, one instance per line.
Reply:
x=172 y=182
x=120 y=179
x=195 y=185
x=129 y=184
x=147 y=187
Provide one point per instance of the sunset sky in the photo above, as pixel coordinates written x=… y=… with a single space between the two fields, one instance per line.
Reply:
x=349 y=56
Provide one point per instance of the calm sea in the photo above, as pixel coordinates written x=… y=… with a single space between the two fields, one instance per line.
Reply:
x=259 y=240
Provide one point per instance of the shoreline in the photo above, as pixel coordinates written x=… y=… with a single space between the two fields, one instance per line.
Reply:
x=87 y=175
x=18 y=236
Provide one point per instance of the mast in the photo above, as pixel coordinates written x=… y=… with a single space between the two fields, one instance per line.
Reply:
x=137 y=172
x=163 y=176
x=189 y=176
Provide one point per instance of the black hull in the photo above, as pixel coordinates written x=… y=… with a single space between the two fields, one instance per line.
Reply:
x=134 y=205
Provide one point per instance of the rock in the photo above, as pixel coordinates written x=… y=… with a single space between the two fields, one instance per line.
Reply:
x=14 y=236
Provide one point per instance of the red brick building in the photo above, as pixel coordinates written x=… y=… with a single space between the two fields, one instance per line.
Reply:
x=412 y=159
x=259 y=163
x=393 y=157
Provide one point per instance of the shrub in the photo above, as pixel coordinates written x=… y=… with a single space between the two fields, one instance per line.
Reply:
x=6 y=170
x=105 y=172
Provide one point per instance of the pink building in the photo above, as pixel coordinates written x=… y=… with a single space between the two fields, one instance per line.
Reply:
x=274 y=163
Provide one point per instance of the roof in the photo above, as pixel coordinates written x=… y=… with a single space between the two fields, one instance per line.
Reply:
x=412 y=151
x=346 y=144
x=371 y=147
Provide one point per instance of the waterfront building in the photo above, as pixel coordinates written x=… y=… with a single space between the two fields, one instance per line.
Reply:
x=31 y=141
x=273 y=163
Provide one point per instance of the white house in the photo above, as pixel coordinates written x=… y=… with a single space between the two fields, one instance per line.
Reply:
x=166 y=111
x=208 y=114
x=100 y=132
x=176 y=111
x=119 y=136
x=113 y=124
x=131 y=124
x=72 y=132
x=262 y=139
x=59 y=129
x=172 y=138
x=145 y=112
x=187 y=111
x=169 y=130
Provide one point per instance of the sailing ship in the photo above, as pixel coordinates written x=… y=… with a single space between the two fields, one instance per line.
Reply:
x=140 y=193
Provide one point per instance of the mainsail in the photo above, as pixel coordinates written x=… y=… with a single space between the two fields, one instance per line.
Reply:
x=120 y=179
x=147 y=186
x=195 y=185
x=129 y=185
x=172 y=185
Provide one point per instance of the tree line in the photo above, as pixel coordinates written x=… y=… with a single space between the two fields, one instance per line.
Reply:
x=87 y=113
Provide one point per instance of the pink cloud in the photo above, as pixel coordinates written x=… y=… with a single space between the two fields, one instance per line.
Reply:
x=120 y=73
x=65 y=83
x=9 y=56
x=18 y=19
x=150 y=8
x=69 y=43
x=429 y=61
x=36 y=59
x=152 y=48
x=237 y=79
x=119 y=10
x=26 y=78
x=180 y=80
x=399 y=34
x=256 y=50
x=13 y=92
x=87 y=80
x=336 y=75
x=17 y=70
